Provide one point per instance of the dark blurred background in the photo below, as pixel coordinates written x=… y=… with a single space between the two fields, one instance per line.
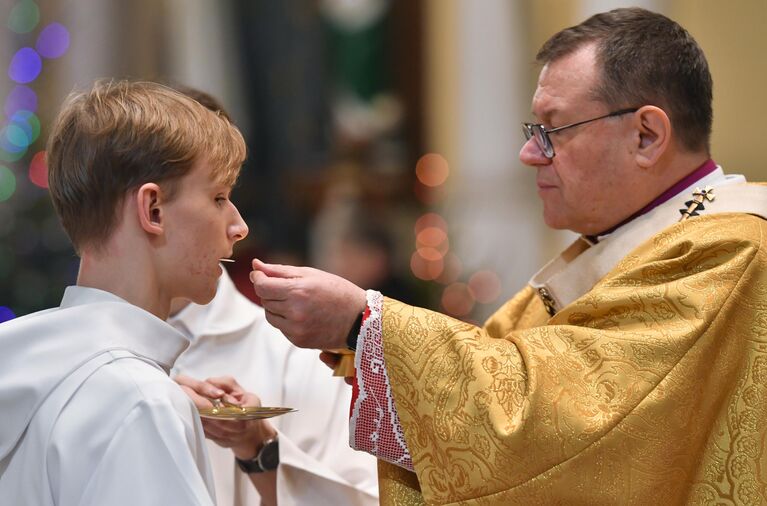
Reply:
x=382 y=135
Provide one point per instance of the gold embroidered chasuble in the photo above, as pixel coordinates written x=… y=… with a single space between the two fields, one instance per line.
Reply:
x=650 y=388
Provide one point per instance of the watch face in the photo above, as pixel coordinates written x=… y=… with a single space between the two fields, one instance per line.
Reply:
x=269 y=457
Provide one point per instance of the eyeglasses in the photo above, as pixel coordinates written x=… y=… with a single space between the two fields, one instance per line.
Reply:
x=541 y=134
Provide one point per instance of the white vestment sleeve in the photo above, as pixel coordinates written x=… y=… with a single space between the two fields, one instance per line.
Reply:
x=302 y=479
x=231 y=337
x=150 y=461
x=317 y=466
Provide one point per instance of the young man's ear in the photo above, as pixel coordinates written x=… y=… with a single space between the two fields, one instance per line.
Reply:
x=654 y=129
x=149 y=196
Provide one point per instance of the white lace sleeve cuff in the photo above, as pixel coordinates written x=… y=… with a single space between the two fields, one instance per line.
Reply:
x=374 y=426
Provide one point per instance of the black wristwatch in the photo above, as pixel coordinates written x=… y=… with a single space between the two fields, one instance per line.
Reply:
x=354 y=332
x=267 y=459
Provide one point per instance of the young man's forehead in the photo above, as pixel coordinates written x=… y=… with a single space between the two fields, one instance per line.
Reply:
x=214 y=174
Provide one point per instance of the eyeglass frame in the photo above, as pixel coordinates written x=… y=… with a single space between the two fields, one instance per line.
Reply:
x=544 y=141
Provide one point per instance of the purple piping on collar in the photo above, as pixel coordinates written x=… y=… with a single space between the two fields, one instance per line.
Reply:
x=704 y=170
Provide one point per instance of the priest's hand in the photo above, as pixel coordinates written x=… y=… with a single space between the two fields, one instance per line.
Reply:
x=244 y=437
x=313 y=308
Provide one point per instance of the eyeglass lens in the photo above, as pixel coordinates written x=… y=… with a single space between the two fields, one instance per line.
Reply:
x=541 y=138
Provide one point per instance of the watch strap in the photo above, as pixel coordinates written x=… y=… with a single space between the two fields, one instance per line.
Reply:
x=354 y=332
x=257 y=463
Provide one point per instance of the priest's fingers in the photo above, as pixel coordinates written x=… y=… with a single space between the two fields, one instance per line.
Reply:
x=314 y=309
x=268 y=288
x=316 y=329
x=299 y=330
x=291 y=310
x=276 y=320
x=330 y=359
x=277 y=270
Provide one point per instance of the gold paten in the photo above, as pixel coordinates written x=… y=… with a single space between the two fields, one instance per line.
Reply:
x=232 y=412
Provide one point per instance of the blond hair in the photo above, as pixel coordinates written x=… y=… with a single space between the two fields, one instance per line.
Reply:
x=118 y=135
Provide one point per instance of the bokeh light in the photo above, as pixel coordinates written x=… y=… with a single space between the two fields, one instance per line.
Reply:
x=16 y=136
x=453 y=268
x=25 y=65
x=432 y=169
x=433 y=237
x=432 y=244
x=485 y=286
x=29 y=123
x=7 y=183
x=24 y=16
x=38 y=170
x=53 y=41
x=9 y=156
x=19 y=134
x=430 y=220
x=6 y=314
x=430 y=254
x=425 y=269
x=20 y=98
x=13 y=139
x=457 y=299
x=429 y=195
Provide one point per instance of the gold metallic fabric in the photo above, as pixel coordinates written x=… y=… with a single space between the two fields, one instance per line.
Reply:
x=649 y=389
x=397 y=486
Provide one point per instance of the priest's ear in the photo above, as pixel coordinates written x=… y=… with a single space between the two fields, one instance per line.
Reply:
x=654 y=127
x=149 y=197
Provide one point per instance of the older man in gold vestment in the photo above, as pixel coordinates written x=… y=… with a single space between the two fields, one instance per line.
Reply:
x=633 y=368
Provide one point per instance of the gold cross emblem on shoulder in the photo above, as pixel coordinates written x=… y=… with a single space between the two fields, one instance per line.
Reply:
x=696 y=204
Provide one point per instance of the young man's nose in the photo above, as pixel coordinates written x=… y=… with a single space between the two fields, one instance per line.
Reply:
x=238 y=230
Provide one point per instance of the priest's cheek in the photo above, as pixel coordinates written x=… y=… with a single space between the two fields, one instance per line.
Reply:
x=552 y=215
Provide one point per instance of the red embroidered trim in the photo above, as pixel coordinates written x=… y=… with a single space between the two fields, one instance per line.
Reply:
x=374 y=426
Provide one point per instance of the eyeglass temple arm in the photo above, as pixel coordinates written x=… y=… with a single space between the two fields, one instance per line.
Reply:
x=614 y=113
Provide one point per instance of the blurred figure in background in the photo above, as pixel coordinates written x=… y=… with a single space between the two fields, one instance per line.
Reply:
x=298 y=458
x=351 y=240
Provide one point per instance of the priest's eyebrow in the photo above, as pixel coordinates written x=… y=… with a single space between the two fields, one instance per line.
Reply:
x=545 y=114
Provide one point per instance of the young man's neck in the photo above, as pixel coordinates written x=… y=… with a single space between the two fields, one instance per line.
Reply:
x=177 y=304
x=129 y=278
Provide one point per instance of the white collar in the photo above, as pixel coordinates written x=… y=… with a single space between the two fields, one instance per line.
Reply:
x=582 y=265
x=151 y=337
x=40 y=350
